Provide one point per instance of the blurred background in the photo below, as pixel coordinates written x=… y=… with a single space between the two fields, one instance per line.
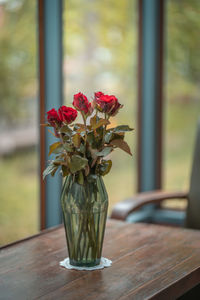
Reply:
x=100 y=52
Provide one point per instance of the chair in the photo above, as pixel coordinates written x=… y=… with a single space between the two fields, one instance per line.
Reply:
x=140 y=207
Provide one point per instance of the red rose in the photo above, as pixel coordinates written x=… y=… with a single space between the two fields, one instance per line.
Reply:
x=53 y=117
x=107 y=104
x=82 y=104
x=98 y=95
x=67 y=114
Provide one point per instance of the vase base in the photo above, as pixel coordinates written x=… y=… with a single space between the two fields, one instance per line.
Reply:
x=104 y=263
x=83 y=263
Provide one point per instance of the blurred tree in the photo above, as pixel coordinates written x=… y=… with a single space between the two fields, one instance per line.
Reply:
x=183 y=59
x=18 y=58
x=102 y=36
x=100 y=32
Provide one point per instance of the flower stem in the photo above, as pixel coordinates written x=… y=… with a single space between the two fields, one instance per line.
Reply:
x=84 y=121
x=104 y=130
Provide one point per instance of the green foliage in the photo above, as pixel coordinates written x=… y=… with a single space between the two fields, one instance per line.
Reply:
x=68 y=147
x=50 y=169
x=104 y=167
x=122 y=128
x=183 y=60
x=100 y=123
x=18 y=59
x=82 y=147
x=65 y=129
x=104 y=152
x=77 y=163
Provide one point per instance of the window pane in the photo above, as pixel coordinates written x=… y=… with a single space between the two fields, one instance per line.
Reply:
x=18 y=121
x=100 y=54
x=182 y=87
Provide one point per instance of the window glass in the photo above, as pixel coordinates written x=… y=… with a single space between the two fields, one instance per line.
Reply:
x=182 y=90
x=100 y=54
x=18 y=120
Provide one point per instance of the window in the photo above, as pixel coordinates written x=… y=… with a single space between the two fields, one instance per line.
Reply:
x=182 y=90
x=100 y=54
x=18 y=120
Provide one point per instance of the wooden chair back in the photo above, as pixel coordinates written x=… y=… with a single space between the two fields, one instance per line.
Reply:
x=193 y=209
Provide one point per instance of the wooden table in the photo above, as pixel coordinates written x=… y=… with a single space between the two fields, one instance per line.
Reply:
x=149 y=262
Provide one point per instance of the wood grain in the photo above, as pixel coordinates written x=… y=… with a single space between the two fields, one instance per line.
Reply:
x=149 y=262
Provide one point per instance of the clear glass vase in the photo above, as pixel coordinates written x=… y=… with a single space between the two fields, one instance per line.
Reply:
x=84 y=209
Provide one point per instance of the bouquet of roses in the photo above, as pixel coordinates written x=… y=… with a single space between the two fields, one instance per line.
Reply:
x=83 y=147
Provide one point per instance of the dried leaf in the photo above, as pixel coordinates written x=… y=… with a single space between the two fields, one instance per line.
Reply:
x=76 y=140
x=53 y=147
x=46 y=125
x=52 y=133
x=94 y=161
x=87 y=170
x=93 y=121
x=65 y=171
x=122 y=145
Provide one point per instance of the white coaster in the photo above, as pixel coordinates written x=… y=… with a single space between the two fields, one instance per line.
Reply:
x=104 y=263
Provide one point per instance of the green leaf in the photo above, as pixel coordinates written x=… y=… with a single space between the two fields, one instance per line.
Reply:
x=82 y=148
x=54 y=171
x=122 y=128
x=53 y=147
x=104 y=152
x=100 y=123
x=80 y=178
x=104 y=167
x=77 y=163
x=76 y=140
x=66 y=129
x=49 y=169
x=58 y=150
x=66 y=138
x=110 y=135
x=122 y=145
x=95 y=141
x=68 y=147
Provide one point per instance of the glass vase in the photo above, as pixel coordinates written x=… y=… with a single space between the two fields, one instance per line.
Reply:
x=84 y=209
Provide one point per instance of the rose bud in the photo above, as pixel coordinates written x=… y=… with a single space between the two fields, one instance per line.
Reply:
x=82 y=104
x=53 y=118
x=108 y=104
x=67 y=114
